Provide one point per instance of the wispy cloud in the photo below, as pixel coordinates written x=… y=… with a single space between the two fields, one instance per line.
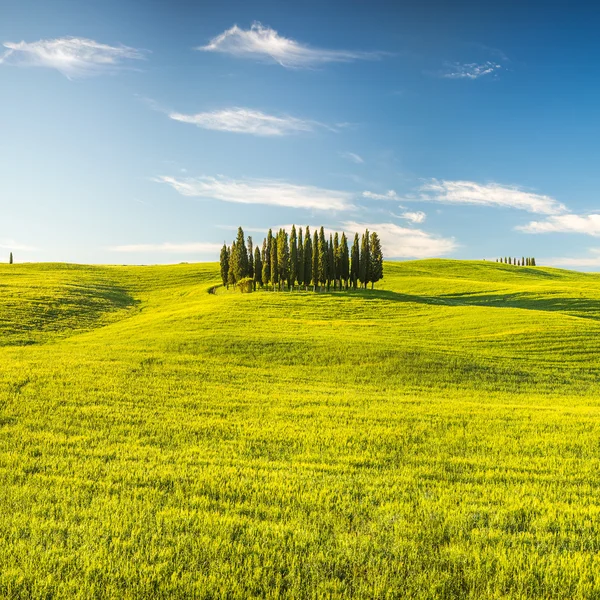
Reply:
x=414 y=217
x=469 y=70
x=391 y=195
x=167 y=247
x=265 y=43
x=261 y=191
x=587 y=224
x=14 y=246
x=576 y=261
x=246 y=120
x=352 y=157
x=73 y=57
x=492 y=194
x=404 y=242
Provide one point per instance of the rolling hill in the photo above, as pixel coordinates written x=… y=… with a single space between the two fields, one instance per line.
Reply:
x=436 y=437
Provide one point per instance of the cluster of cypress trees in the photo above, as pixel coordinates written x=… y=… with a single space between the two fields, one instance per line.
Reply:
x=524 y=262
x=285 y=261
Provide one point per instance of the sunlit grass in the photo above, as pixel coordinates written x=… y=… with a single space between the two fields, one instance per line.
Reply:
x=434 y=438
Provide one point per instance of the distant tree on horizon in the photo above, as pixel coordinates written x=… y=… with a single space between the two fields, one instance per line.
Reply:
x=10 y=259
x=224 y=264
x=376 y=259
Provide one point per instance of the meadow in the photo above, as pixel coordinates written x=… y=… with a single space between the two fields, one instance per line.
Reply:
x=436 y=437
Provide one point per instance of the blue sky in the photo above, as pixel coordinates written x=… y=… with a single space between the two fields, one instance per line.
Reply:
x=146 y=132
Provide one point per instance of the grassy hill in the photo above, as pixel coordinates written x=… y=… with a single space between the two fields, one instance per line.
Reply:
x=436 y=437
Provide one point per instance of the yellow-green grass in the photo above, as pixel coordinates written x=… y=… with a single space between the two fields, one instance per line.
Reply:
x=437 y=437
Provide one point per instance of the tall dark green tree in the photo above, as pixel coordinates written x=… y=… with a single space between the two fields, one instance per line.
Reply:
x=355 y=264
x=274 y=262
x=300 y=258
x=376 y=271
x=323 y=257
x=240 y=267
x=331 y=275
x=250 y=258
x=293 y=264
x=257 y=268
x=308 y=258
x=365 y=259
x=336 y=260
x=315 y=261
x=267 y=259
x=10 y=259
x=224 y=263
x=231 y=280
x=344 y=261
x=283 y=257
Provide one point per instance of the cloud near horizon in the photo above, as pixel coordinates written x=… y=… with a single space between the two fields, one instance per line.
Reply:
x=569 y=223
x=405 y=242
x=189 y=248
x=260 y=191
x=246 y=120
x=264 y=42
x=71 y=56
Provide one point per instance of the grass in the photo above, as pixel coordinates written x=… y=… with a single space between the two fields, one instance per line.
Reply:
x=436 y=437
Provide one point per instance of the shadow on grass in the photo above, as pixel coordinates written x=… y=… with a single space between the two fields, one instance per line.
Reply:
x=578 y=307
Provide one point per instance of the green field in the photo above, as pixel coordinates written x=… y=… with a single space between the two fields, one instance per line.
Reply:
x=437 y=437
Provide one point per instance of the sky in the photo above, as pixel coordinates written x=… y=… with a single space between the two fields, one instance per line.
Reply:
x=137 y=132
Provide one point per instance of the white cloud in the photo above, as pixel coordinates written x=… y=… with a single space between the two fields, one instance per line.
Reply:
x=391 y=195
x=493 y=194
x=403 y=242
x=587 y=224
x=8 y=244
x=352 y=157
x=470 y=70
x=73 y=57
x=245 y=120
x=261 y=191
x=263 y=42
x=190 y=248
x=414 y=217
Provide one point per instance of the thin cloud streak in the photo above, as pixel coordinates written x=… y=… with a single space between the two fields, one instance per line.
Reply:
x=246 y=120
x=167 y=247
x=470 y=70
x=404 y=242
x=265 y=43
x=71 y=56
x=414 y=217
x=352 y=157
x=260 y=191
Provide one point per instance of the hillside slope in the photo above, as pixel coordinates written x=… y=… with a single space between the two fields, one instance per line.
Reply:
x=433 y=438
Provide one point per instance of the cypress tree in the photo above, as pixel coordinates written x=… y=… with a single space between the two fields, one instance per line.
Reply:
x=240 y=268
x=509 y=260
x=293 y=258
x=257 y=268
x=308 y=258
x=344 y=261
x=522 y=261
x=267 y=259
x=10 y=259
x=300 y=258
x=283 y=257
x=323 y=266
x=330 y=263
x=250 y=258
x=336 y=261
x=376 y=270
x=533 y=262
x=355 y=264
x=274 y=262
x=224 y=262
x=231 y=280
x=365 y=260
x=315 y=262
